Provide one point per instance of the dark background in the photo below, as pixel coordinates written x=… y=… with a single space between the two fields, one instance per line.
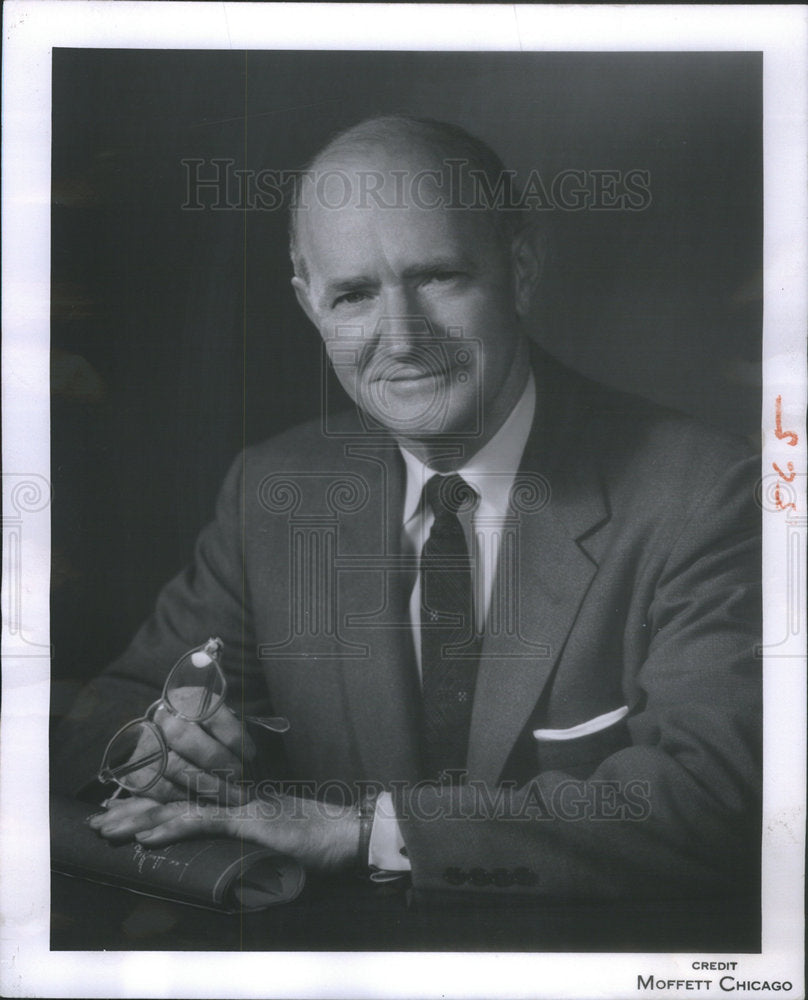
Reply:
x=175 y=334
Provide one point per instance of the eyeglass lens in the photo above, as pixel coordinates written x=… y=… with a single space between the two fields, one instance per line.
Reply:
x=135 y=757
x=196 y=687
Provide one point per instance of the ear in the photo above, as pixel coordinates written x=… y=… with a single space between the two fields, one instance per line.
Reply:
x=303 y=298
x=526 y=257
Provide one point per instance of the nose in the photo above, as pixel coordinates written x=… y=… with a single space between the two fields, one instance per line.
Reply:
x=402 y=321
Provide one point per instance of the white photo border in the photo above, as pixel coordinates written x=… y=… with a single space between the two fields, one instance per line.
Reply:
x=31 y=29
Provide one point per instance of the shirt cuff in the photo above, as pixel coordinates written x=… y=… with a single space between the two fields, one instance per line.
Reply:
x=387 y=851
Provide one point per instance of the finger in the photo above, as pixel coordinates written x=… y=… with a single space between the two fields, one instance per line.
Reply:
x=122 y=824
x=148 y=785
x=125 y=807
x=222 y=786
x=138 y=769
x=202 y=822
x=118 y=810
x=221 y=739
x=192 y=742
x=165 y=790
x=223 y=725
x=228 y=729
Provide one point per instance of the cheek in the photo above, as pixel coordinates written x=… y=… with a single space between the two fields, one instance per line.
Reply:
x=496 y=346
x=348 y=380
x=478 y=312
x=340 y=357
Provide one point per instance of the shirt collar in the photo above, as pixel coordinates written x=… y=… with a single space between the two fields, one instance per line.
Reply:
x=492 y=470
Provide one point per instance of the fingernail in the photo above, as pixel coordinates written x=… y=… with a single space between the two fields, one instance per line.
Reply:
x=95 y=819
x=144 y=835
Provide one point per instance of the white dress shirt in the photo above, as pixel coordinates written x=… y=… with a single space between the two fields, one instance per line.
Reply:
x=491 y=471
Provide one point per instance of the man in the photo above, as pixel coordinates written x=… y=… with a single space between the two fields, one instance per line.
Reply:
x=509 y=614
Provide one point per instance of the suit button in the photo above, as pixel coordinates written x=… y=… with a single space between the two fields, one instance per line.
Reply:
x=524 y=876
x=454 y=876
x=479 y=876
x=502 y=877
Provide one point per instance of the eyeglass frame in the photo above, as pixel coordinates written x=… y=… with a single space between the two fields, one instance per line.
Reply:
x=213 y=647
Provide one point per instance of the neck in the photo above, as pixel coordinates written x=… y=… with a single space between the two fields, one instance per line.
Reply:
x=446 y=452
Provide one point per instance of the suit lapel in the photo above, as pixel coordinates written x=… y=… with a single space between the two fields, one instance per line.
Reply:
x=380 y=683
x=542 y=575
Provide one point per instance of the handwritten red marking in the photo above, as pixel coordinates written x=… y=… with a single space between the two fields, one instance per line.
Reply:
x=782 y=475
x=778 y=503
x=778 y=424
x=791 y=439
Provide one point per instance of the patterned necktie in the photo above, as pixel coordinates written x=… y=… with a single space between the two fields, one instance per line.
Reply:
x=450 y=646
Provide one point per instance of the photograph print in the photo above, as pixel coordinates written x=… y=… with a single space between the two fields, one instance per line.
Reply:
x=406 y=566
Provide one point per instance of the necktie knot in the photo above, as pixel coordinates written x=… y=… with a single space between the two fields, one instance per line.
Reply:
x=450 y=495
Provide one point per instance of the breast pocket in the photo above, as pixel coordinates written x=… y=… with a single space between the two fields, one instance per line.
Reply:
x=580 y=749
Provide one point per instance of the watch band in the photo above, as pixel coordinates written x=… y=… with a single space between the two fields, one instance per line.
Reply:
x=366 y=810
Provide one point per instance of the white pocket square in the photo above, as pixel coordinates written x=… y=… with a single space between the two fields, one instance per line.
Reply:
x=583 y=728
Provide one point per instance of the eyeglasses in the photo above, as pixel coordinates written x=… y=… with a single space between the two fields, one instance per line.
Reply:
x=137 y=755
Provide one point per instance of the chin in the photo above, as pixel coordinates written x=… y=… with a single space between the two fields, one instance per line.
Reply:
x=433 y=430
x=410 y=426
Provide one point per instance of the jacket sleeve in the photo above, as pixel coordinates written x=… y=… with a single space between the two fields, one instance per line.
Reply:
x=206 y=599
x=674 y=814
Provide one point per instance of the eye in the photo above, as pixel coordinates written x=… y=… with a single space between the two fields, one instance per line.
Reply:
x=349 y=299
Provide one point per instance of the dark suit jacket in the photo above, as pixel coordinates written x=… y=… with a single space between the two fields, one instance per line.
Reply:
x=629 y=575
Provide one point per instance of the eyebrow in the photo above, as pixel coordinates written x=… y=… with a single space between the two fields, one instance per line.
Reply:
x=437 y=264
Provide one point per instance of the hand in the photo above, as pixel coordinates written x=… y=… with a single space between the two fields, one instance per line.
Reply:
x=321 y=836
x=206 y=758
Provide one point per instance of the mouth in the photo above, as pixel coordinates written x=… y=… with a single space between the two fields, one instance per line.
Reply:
x=403 y=371
x=407 y=375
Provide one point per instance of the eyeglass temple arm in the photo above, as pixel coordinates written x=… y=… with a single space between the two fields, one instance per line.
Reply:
x=273 y=723
x=212 y=650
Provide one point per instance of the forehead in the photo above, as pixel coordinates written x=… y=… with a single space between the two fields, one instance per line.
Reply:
x=387 y=205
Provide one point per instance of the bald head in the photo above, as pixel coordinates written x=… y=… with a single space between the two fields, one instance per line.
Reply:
x=396 y=161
